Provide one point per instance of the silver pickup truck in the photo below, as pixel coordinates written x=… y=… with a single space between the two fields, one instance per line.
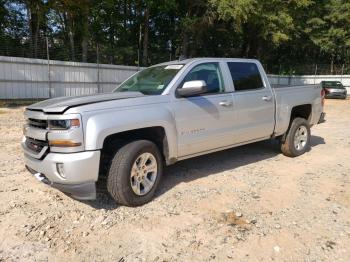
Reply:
x=160 y=115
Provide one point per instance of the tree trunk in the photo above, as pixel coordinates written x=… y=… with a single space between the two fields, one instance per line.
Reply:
x=111 y=43
x=36 y=35
x=145 y=38
x=332 y=65
x=85 y=32
x=33 y=23
x=125 y=15
x=71 y=44
x=29 y=15
x=245 y=48
x=184 y=46
x=71 y=35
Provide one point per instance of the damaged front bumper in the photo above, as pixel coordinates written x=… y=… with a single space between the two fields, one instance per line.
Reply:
x=74 y=174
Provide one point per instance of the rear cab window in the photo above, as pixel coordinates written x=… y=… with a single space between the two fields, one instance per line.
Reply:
x=245 y=76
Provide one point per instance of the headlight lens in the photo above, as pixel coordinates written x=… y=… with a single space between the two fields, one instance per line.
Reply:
x=63 y=124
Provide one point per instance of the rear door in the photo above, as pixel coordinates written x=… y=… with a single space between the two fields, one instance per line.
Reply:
x=204 y=122
x=253 y=102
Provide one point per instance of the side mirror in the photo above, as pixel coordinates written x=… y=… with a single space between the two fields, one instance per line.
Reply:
x=192 y=88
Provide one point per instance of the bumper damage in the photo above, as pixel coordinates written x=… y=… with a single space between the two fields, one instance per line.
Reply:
x=74 y=174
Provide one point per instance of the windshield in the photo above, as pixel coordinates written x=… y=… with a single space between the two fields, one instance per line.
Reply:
x=150 y=81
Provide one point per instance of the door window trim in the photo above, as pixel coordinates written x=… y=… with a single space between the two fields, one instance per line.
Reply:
x=224 y=82
x=246 y=90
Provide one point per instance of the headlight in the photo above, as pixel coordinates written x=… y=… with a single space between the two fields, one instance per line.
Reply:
x=63 y=124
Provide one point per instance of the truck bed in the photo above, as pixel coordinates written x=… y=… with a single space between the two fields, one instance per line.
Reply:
x=293 y=86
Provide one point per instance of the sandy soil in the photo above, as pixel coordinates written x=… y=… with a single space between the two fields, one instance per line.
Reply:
x=246 y=204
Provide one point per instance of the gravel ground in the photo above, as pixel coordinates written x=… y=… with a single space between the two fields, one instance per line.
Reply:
x=250 y=203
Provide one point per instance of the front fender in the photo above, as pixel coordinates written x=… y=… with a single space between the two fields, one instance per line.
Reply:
x=100 y=124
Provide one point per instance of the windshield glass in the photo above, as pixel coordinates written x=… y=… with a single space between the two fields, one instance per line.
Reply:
x=150 y=81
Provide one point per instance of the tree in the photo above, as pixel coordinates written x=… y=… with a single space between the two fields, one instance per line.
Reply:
x=282 y=34
x=36 y=13
x=329 y=30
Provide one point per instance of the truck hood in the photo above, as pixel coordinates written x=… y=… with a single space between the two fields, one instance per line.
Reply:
x=61 y=104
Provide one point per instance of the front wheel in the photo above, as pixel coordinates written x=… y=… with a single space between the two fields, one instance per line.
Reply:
x=135 y=173
x=297 y=139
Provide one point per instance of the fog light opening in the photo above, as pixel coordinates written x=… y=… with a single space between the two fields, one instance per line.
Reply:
x=60 y=169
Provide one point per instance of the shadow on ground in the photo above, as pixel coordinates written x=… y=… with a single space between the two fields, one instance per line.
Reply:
x=207 y=165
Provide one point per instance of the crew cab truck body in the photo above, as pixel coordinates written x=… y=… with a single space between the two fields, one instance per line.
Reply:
x=161 y=115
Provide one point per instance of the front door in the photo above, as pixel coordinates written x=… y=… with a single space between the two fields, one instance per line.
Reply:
x=204 y=122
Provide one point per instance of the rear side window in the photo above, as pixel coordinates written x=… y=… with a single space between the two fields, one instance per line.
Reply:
x=245 y=76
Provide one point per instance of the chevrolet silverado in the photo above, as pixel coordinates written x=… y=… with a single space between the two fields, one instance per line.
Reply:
x=163 y=114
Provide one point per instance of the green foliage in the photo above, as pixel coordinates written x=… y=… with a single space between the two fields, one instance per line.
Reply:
x=330 y=30
x=278 y=32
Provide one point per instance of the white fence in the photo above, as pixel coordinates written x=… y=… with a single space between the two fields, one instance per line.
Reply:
x=24 y=78
x=308 y=79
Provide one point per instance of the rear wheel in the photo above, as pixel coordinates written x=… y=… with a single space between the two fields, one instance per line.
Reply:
x=135 y=173
x=297 y=138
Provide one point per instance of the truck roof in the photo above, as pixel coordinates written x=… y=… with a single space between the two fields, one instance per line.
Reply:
x=205 y=59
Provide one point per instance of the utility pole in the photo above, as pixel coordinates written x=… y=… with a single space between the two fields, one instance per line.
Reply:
x=48 y=68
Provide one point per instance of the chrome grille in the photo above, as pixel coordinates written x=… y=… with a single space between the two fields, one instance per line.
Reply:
x=37 y=123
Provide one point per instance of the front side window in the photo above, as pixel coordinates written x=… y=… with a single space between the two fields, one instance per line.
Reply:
x=208 y=72
x=150 y=81
x=245 y=76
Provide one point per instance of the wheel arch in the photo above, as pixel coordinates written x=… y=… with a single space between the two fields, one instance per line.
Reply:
x=303 y=111
x=141 y=123
x=155 y=134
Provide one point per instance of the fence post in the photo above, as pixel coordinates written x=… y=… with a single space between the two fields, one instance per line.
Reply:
x=48 y=68
x=342 y=72
x=315 y=74
x=98 y=69
x=279 y=75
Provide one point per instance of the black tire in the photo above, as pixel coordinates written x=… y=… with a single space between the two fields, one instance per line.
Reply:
x=287 y=145
x=118 y=181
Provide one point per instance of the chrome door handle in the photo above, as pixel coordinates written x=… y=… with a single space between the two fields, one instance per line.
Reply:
x=225 y=103
x=266 y=98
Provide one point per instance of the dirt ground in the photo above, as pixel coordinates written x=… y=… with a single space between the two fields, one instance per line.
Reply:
x=245 y=204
